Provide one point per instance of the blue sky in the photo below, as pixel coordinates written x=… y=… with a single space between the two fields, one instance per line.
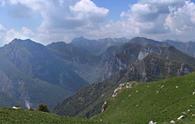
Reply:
x=52 y=20
x=115 y=6
x=10 y=20
x=7 y=13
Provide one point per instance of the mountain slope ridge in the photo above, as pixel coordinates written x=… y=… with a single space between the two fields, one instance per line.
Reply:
x=31 y=72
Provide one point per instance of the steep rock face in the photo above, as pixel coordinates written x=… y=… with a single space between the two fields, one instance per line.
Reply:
x=123 y=63
x=143 y=54
x=30 y=72
x=117 y=59
x=153 y=59
x=154 y=68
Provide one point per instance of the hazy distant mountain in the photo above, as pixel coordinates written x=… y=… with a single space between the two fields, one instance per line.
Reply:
x=31 y=73
x=34 y=73
x=140 y=59
x=97 y=47
x=186 y=47
x=81 y=60
x=85 y=55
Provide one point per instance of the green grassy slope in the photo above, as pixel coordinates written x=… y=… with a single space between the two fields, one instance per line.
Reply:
x=10 y=116
x=160 y=101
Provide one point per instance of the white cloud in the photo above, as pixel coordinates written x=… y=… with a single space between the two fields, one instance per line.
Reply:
x=8 y=35
x=182 y=19
x=66 y=19
x=63 y=20
x=2 y=33
x=162 y=19
x=150 y=14
x=2 y=28
x=88 y=7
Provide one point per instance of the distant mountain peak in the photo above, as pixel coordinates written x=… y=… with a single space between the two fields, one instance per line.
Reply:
x=57 y=43
x=28 y=43
x=79 y=39
x=139 y=38
x=21 y=40
x=142 y=39
x=146 y=41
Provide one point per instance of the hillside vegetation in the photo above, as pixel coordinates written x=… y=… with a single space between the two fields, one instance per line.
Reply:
x=10 y=116
x=162 y=101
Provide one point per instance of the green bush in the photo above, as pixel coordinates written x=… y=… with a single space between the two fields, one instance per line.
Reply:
x=43 y=108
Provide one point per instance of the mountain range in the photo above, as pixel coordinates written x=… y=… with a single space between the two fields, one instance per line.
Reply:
x=140 y=59
x=32 y=74
x=84 y=72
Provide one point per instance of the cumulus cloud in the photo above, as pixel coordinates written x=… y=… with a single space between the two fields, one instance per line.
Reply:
x=182 y=19
x=162 y=19
x=67 y=19
x=88 y=8
x=2 y=28
x=148 y=18
x=20 y=11
x=150 y=14
x=62 y=20
x=7 y=35
x=2 y=33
